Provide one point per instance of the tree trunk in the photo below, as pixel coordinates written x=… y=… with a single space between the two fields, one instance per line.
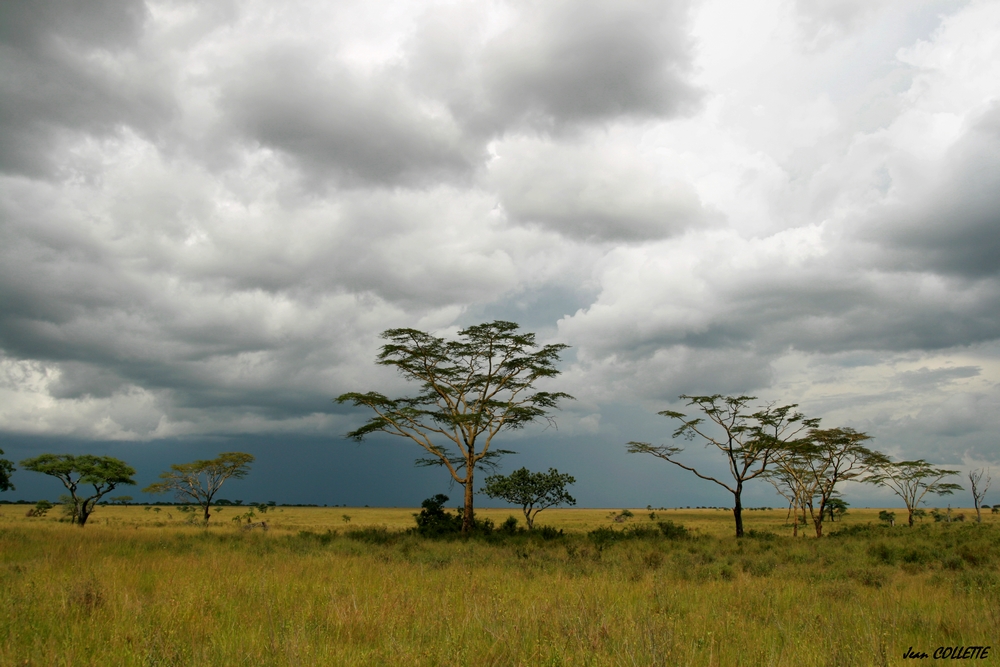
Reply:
x=467 y=518
x=910 y=518
x=738 y=513
x=207 y=514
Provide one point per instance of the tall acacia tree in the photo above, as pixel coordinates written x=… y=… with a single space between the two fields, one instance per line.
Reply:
x=471 y=389
x=912 y=480
x=198 y=482
x=104 y=473
x=748 y=440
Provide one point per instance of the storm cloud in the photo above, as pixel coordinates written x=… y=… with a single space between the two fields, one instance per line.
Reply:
x=209 y=213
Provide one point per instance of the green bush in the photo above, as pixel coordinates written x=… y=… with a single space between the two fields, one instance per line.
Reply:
x=673 y=531
x=433 y=520
x=372 y=535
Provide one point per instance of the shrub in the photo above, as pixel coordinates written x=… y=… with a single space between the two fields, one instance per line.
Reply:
x=322 y=538
x=509 y=527
x=673 y=531
x=883 y=553
x=870 y=577
x=372 y=535
x=762 y=535
x=433 y=520
x=549 y=533
x=857 y=530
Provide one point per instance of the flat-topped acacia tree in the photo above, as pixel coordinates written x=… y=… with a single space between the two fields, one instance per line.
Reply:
x=198 y=482
x=471 y=389
x=104 y=473
x=912 y=480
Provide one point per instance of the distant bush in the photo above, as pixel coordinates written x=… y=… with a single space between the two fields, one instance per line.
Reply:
x=434 y=521
x=858 y=530
x=602 y=537
x=673 y=531
x=322 y=538
x=763 y=535
x=372 y=535
x=509 y=526
x=548 y=533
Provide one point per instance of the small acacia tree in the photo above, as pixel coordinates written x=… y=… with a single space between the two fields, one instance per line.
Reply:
x=104 y=473
x=979 y=489
x=6 y=469
x=198 y=482
x=789 y=477
x=747 y=440
x=471 y=389
x=832 y=456
x=533 y=491
x=912 y=480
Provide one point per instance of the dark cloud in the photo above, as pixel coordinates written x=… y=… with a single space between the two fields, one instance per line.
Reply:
x=570 y=62
x=560 y=64
x=926 y=377
x=953 y=226
x=224 y=207
x=356 y=129
x=71 y=67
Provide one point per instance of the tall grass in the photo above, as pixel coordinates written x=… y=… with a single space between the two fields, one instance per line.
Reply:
x=132 y=593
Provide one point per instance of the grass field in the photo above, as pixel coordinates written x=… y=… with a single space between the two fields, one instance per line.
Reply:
x=137 y=587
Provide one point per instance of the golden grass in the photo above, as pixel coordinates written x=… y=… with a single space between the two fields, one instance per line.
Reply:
x=125 y=591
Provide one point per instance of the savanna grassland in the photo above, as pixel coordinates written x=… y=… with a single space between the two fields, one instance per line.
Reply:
x=139 y=587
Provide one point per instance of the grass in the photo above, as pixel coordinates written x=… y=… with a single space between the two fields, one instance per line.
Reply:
x=318 y=590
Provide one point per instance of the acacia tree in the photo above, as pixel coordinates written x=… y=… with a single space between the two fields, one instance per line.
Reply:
x=912 y=480
x=199 y=481
x=788 y=479
x=979 y=489
x=832 y=456
x=6 y=469
x=104 y=473
x=470 y=390
x=749 y=441
x=533 y=491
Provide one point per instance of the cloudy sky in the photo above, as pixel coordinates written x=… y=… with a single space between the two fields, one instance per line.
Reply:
x=209 y=212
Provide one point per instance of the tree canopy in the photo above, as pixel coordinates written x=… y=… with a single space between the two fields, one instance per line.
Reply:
x=6 y=470
x=471 y=389
x=198 y=482
x=104 y=473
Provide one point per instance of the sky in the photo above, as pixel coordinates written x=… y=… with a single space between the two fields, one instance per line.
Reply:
x=210 y=211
